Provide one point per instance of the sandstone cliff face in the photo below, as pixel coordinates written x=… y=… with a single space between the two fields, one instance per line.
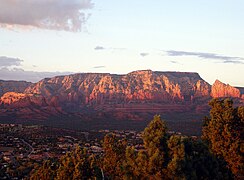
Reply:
x=13 y=86
x=24 y=107
x=138 y=86
x=136 y=95
x=220 y=89
x=12 y=99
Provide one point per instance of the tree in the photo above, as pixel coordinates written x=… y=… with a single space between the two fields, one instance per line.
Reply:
x=131 y=167
x=200 y=163
x=114 y=156
x=46 y=171
x=176 y=151
x=150 y=162
x=74 y=165
x=172 y=157
x=223 y=131
x=155 y=143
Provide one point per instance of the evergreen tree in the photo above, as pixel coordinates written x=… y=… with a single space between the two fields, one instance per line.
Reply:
x=45 y=172
x=155 y=143
x=177 y=157
x=200 y=163
x=73 y=165
x=114 y=156
x=223 y=131
x=130 y=163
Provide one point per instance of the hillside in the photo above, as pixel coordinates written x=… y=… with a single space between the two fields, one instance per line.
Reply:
x=104 y=100
x=13 y=86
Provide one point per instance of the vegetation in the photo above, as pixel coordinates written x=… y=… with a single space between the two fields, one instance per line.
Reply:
x=223 y=132
x=114 y=156
x=74 y=165
x=218 y=155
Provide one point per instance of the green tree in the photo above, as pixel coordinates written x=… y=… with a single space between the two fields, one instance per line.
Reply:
x=200 y=163
x=172 y=157
x=150 y=162
x=176 y=151
x=223 y=131
x=155 y=143
x=130 y=163
x=74 y=165
x=114 y=156
x=47 y=171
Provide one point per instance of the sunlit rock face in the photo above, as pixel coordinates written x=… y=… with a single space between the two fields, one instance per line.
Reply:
x=220 y=89
x=133 y=96
x=138 y=86
x=13 y=86
x=13 y=99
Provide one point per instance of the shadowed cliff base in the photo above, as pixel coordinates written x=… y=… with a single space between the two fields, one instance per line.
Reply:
x=186 y=123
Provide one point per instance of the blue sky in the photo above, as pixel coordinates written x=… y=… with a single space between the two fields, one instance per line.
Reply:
x=201 y=36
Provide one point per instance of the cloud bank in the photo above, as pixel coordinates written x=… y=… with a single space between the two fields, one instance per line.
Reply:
x=31 y=76
x=224 y=59
x=67 y=15
x=8 y=61
x=10 y=69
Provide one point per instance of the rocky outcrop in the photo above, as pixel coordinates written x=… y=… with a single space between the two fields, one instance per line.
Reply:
x=13 y=86
x=15 y=100
x=138 y=86
x=23 y=107
x=136 y=96
x=220 y=89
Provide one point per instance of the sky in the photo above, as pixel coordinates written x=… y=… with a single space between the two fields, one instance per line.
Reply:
x=44 y=38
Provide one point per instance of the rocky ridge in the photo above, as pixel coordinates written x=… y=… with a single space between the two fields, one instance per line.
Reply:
x=93 y=88
x=133 y=96
x=220 y=89
x=13 y=86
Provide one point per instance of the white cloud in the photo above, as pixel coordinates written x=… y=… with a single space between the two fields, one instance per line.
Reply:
x=65 y=15
x=222 y=58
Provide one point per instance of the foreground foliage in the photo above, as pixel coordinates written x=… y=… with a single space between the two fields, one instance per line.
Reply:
x=163 y=156
x=223 y=131
x=74 y=165
x=171 y=157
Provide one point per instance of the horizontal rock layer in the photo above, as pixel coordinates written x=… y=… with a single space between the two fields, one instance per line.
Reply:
x=123 y=96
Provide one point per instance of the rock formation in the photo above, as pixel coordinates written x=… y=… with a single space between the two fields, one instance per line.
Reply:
x=13 y=86
x=98 y=96
x=138 y=86
x=220 y=89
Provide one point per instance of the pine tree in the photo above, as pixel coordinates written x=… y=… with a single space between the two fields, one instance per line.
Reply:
x=155 y=143
x=200 y=163
x=47 y=171
x=74 y=165
x=223 y=131
x=177 y=157
x=114 y=156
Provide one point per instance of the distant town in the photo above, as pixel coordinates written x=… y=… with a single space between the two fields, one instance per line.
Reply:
x=24 y=147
